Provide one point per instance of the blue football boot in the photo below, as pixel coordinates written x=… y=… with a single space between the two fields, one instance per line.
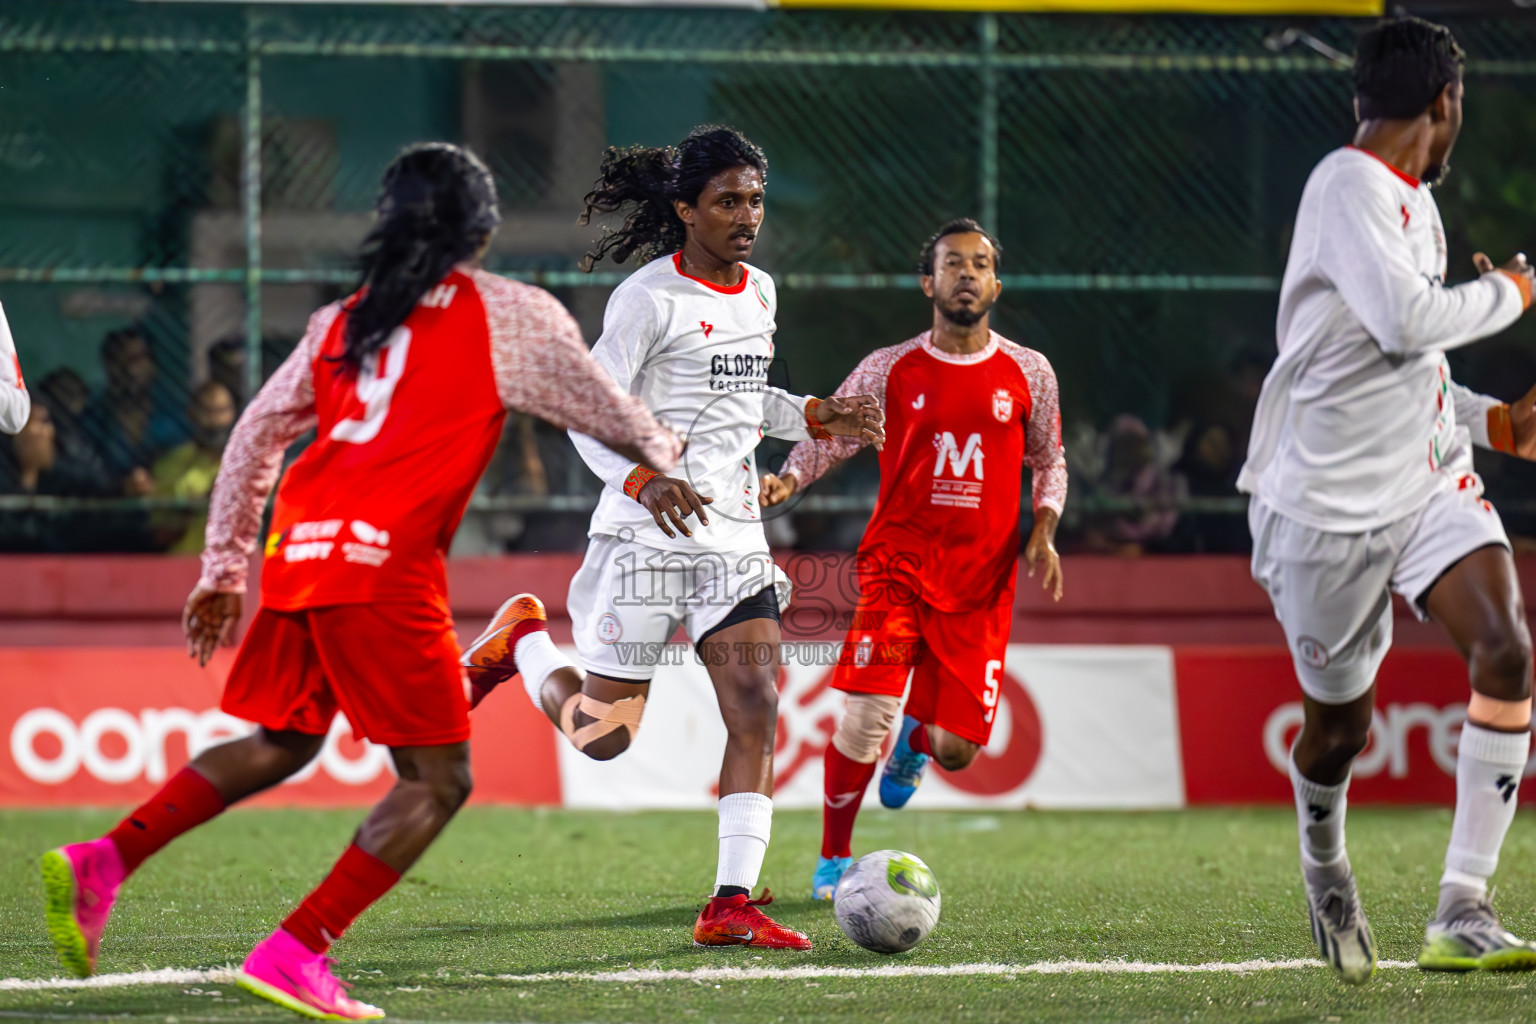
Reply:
x=829 y=871
x=904 y=770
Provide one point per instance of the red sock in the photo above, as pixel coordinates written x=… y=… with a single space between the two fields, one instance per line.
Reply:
x=182 y=804
x=918 y=741
x=844 y=785
x=354 y=883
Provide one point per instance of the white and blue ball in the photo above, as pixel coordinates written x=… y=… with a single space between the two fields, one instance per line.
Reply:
x=887 y=901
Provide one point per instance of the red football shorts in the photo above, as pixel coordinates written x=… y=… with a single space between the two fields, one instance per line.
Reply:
x=392 y=668
x=955 y=658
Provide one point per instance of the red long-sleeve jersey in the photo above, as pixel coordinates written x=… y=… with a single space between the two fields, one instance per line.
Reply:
x=367 y=512
x=959 y=430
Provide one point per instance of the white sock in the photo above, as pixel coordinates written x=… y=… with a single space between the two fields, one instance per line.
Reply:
x=1319 y=818
x=745 y=821
x=537 y=657
x=1488 y=769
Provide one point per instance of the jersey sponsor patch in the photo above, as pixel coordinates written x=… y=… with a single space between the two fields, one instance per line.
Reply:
x=1312 y=652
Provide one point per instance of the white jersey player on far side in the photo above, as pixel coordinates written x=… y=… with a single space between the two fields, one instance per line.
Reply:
x=690 y=334
x=1360 y=471
x=15 y=403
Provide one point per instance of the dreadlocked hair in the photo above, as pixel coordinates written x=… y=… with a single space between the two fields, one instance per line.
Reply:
x=437 y=206
x=646 y=180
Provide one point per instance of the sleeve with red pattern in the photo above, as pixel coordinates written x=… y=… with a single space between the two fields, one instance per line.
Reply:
x=543 y=367
x=280 y=413
x=811 y=460
x=1043 y=452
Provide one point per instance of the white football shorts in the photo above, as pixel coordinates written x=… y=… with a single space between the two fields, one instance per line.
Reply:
x=1332 y=592
x=628 y=599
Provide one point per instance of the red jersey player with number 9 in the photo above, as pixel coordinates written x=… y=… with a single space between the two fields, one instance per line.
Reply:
x=407 y=384
x=965 y=411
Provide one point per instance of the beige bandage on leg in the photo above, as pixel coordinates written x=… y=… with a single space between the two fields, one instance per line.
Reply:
x=624 y=713
x=867 y=721
x=1499 y=715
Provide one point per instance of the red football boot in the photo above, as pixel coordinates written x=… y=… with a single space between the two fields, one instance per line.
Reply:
x=488 y=658
x=736 y=921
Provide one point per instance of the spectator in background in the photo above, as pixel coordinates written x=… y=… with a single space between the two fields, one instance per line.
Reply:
x=27 y=461
x=1133 y=471
x=121 y=422
x=30 y=466
x=65 y=394
x=227 y=364
x=188 y=470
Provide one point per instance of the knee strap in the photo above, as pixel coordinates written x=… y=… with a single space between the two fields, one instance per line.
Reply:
x=867 y=720
x=624 y=713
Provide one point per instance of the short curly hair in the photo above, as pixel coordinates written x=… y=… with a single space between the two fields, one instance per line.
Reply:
x=1402 y=64
x=958 y=226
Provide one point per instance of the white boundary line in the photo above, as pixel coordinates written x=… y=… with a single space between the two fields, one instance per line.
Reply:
x=175 y=976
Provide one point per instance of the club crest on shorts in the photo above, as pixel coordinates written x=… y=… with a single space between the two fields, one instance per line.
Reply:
x=609 y=628
x=1002 y=405
x=1313 y=652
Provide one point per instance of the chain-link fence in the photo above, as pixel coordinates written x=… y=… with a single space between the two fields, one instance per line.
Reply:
x=198 y=175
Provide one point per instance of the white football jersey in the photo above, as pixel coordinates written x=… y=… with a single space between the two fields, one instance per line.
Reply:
x=1359 y=423
x=15 y=403
x=697 y=355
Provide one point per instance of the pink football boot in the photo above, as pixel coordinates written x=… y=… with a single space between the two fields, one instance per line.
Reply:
x=80 y=883
x=290 y=974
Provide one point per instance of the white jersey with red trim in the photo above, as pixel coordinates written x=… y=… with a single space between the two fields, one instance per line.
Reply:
x=15 y=403
x=1359 y=423
x=696 y=354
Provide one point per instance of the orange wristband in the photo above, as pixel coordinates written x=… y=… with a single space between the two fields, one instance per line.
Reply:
x=1524 y=284
x=812 y=424
x=638 y=478
x=1501 y=432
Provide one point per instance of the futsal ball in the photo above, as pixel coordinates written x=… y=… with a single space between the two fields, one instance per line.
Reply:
x=887 y=901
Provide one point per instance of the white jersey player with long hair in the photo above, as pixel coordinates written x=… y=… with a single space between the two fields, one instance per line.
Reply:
x=1360 y=471
x=690 y=334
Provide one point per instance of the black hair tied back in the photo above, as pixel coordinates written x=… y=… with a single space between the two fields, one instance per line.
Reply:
x=436 y=208
x=646 y=180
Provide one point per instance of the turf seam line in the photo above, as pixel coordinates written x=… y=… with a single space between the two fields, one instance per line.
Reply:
x=182 y=976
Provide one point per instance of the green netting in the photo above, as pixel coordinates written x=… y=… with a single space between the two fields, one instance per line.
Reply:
x=1142 y=171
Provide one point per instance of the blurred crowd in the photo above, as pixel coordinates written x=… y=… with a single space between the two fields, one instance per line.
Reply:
x=134 y=438
x=1136 y=489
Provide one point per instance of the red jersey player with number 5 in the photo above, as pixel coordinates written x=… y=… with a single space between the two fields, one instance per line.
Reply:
x=965 y=411
x=407 y=384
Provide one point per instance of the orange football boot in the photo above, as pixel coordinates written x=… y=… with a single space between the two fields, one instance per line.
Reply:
x=489 y=659
x=736 y=921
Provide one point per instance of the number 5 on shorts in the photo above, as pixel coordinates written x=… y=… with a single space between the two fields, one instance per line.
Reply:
x=989 y=699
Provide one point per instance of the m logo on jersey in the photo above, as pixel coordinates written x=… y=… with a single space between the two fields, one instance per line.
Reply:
x=958 y=493
x=1002 y=405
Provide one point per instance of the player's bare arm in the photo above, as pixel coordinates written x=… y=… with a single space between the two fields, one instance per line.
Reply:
x=855 y=416
x=209 y=621
x=1040 y=552
x=670 y=498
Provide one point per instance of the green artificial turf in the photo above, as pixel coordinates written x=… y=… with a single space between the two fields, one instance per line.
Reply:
x=515 y=892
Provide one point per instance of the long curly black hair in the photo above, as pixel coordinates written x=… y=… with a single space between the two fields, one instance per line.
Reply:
x=437 y=206
x=647 y=179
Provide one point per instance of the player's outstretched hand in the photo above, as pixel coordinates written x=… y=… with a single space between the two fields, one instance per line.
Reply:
x=854 y=416
x=676 y=498
x=1517 y=267
x=1040 y=552
x=209 y=620
x=1522 y=424
x=774 y=489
